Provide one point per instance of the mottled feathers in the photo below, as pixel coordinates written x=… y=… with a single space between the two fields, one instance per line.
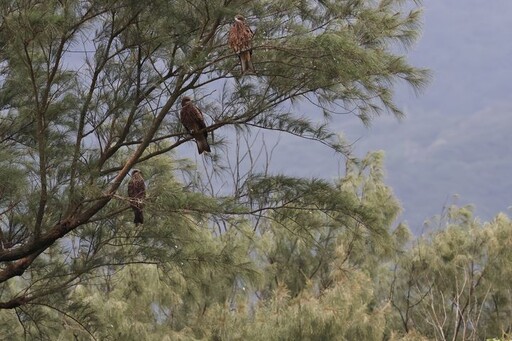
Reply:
x=136 y=195
x=192 y=119
x=240 y=40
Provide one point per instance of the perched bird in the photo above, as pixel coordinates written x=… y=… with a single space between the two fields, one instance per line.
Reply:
x=137 y=194
x=192 y=119
x=240 y=40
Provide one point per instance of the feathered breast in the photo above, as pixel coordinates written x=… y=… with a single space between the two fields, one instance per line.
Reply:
x=240 y=37
x=192 y=118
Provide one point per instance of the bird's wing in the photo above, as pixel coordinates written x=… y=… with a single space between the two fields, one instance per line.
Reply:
x=141 y=187
x=247 y=35
x=199 y=117
x=200 y=121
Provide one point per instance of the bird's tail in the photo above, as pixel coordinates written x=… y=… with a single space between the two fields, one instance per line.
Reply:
x=246 y=62
x=138 y=216
x=202 y=145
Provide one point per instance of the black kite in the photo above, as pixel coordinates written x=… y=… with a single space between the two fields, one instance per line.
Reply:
x=137 y=194
x=240 y=40
x=192 y=119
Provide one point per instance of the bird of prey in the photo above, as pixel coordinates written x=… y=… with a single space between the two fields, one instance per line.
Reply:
x=240 y=40
x=137 y=194
x=192 y=119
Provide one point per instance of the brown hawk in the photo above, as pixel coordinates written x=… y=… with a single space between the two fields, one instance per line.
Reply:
x=240 y=40
x=192 y=119
x=137 y=194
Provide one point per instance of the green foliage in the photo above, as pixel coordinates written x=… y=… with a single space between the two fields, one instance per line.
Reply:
x=451 y=284
x=91 y=89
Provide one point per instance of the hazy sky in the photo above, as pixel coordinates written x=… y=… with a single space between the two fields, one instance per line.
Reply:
x=456 y=138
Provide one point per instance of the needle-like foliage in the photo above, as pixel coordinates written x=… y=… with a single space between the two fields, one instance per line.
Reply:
x=90 y=89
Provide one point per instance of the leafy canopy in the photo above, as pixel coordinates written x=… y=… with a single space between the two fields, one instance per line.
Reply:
x=90 y=89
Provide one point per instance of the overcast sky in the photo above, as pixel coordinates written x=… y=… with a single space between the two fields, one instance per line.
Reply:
x=456 y=138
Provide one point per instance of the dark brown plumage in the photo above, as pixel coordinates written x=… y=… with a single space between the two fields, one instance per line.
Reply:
x=240 y=40
x=137 y=194
x=192 y=119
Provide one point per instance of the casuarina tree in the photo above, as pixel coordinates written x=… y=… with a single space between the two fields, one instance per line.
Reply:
x=92 y=89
